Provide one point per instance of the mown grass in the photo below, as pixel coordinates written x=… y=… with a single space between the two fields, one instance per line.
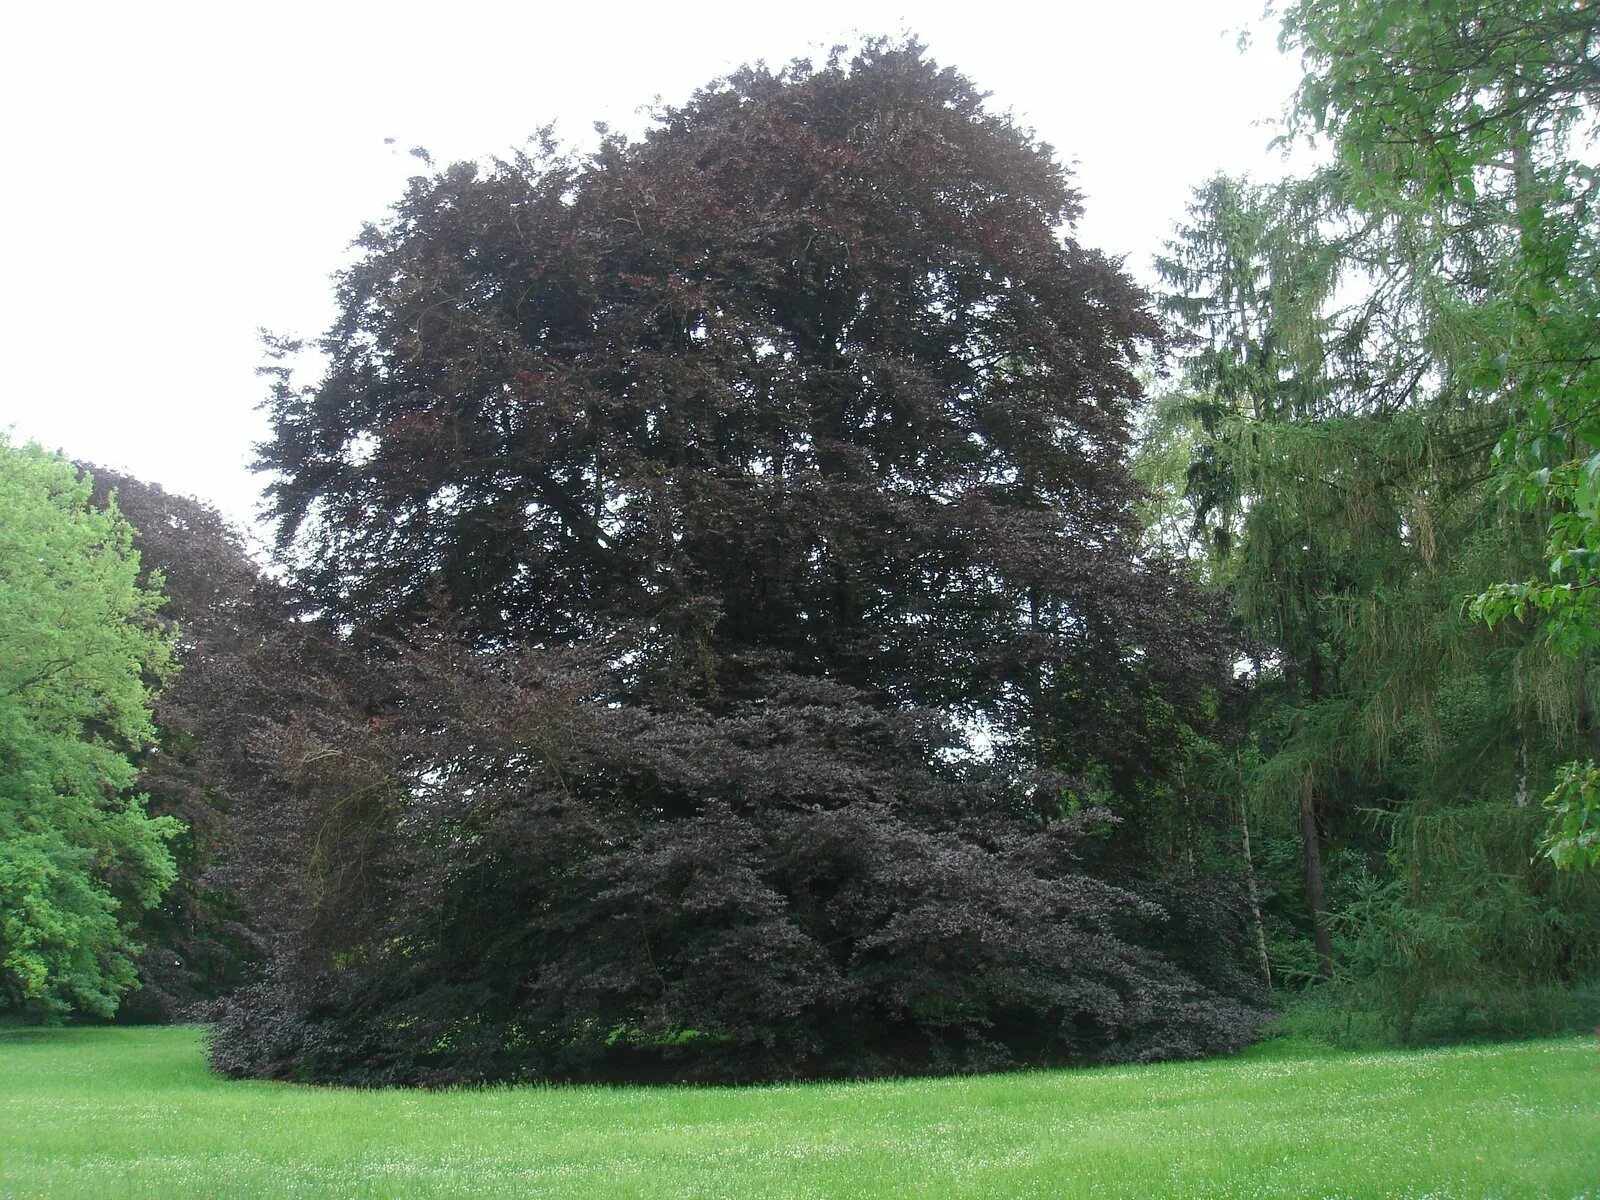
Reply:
x=134 y=1112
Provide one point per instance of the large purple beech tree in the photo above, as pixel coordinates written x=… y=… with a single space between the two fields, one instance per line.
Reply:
x=739 y=522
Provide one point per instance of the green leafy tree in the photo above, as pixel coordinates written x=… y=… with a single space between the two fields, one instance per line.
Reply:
x=1486 y=112
x=80 y=645
x=1335 y=477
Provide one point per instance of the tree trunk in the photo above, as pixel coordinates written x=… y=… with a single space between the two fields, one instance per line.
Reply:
x=1255 y=896
x=1312 y=847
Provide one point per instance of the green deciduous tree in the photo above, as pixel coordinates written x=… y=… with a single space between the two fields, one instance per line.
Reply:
x=80 y=645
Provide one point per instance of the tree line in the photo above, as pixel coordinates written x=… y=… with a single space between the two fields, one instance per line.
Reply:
x=740 y=615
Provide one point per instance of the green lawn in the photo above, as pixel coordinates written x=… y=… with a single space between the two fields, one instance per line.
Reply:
x=134 y=1112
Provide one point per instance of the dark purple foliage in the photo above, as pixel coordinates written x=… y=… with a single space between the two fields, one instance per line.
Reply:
x=195 y=945
x=736 y=532
x=249 y=673
x=518 y=881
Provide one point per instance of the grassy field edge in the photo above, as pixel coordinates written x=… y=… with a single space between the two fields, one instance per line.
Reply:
x=125 y=1112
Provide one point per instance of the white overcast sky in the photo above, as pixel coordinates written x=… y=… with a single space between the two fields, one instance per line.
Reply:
x=180 y=176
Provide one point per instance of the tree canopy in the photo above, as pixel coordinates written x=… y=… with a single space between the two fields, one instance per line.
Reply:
x=738 y=617
x=1487 y=113
x=245 y=668
x=740 y=525
x=1359 y=342
x=563 y=392
x=81 y=644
